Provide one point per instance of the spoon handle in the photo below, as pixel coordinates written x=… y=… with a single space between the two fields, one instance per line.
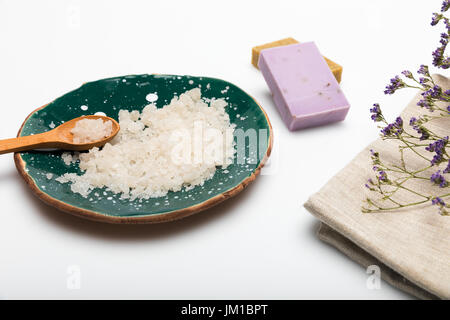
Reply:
x=41 y=140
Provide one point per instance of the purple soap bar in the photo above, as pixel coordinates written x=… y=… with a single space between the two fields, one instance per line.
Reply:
x=304 y=90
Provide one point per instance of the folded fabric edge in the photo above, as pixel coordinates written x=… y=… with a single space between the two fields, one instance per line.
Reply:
x=332 y=237
x=343 y=230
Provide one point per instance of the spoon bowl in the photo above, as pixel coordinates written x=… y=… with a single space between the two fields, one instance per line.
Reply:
x=65 y=136
x=60 y=137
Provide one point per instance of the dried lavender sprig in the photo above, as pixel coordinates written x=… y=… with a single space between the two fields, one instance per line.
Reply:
x=422 y=139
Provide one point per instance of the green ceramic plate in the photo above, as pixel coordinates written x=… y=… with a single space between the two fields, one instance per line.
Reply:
x=129 y=92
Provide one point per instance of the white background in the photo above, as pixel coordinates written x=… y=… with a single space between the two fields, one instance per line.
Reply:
x=260 y=244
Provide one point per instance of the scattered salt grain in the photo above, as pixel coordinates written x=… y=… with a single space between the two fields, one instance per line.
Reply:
x=151 y=97
x=70 y=158
x=225 y=90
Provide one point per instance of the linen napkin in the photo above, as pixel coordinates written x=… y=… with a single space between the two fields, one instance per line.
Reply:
x=412 y=245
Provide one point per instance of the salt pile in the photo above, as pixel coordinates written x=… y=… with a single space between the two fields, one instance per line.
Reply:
x=159 y=150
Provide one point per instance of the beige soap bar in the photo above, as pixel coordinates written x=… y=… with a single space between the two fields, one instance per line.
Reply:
x=335 y=68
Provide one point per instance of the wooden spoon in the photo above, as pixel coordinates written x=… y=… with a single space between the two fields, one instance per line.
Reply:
x=60 y=138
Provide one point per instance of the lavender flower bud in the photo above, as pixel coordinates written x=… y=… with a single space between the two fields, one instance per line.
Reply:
x=423 y=69
x=445 y=5
x=447 y=170
x=376 y=113
x=438 y=201
x=439 y=148
x=439 y=179
x=396 y=83
x=407 y=74
x=436 y=18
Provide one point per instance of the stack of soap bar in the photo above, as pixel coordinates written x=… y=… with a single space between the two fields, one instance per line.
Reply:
x=304 y=90
x=334 y=67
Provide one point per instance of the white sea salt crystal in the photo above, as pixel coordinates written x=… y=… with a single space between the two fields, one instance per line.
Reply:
x=52 y=125
x=84 y=107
